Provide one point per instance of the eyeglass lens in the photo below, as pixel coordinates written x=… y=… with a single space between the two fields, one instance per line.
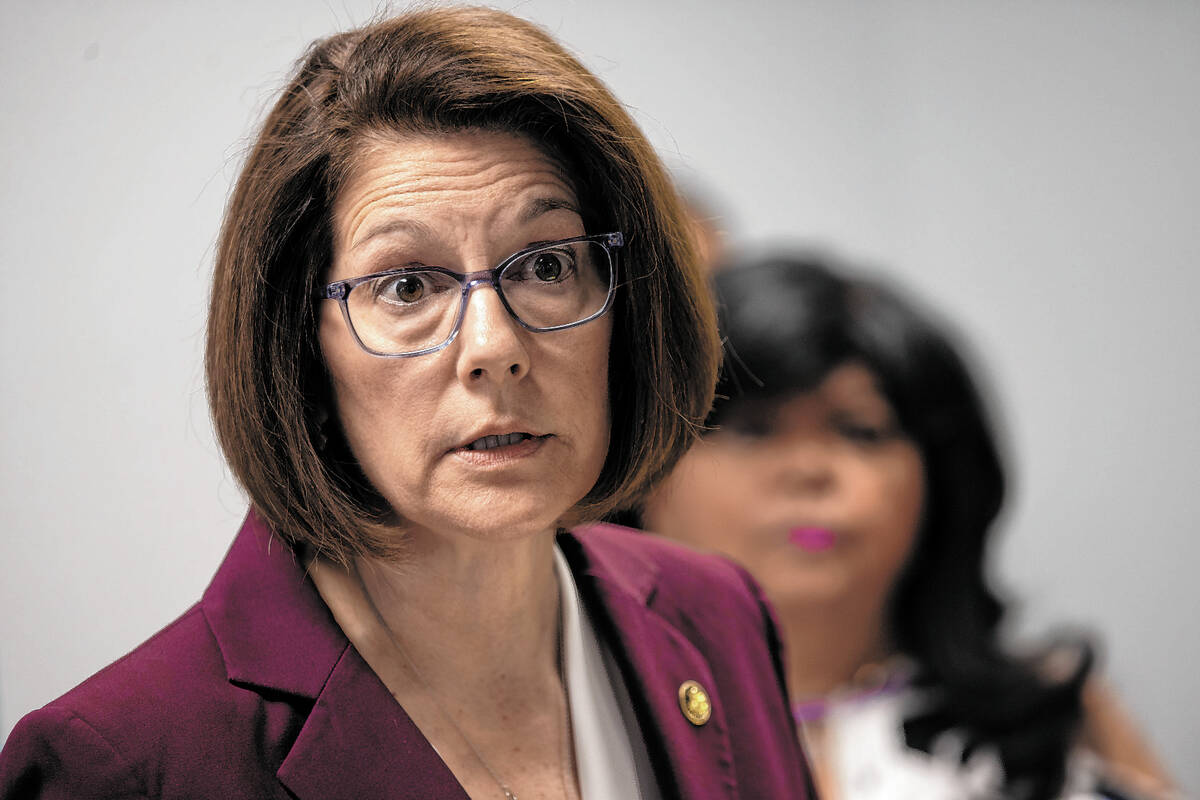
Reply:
x=556 y=285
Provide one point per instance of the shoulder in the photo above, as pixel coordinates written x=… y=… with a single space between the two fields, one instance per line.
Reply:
x=176 y=661
x=159 y=707
x=88 y=741
x=174 y=671
x=54 y=747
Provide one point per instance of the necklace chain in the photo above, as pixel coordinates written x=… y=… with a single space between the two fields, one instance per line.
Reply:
x=508 y=793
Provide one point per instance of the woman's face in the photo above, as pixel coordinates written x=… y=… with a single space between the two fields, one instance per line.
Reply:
x=465 y=201
x=819 y=496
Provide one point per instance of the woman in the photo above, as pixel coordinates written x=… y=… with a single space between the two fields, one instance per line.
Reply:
x=453 y=312
x=854 y=472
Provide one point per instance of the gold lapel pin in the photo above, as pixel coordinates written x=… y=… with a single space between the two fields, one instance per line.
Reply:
x=694 y=703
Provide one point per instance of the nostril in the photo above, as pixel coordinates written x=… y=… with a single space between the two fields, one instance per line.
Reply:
x=477 y=372
x=514 y=369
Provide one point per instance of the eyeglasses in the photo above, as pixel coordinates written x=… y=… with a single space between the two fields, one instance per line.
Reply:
x=412 y=311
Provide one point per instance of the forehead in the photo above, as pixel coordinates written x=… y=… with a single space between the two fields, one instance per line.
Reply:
x=848 y=387
x=482 y=175
x=851 y=380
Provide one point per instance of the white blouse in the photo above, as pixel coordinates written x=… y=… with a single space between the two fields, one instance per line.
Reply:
x=871 y=761
x=610 y=753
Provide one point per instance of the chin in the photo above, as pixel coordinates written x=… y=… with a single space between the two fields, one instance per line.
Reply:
x=811 y=586
x=503 y=511
x=500 y=531
x=507 y=520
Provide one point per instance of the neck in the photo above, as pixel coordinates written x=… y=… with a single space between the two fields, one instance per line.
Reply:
x=828 y=643
x=470 y=620
x=446 y=606
x=466 y=639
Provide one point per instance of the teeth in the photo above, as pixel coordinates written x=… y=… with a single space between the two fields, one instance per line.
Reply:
x=503 y=440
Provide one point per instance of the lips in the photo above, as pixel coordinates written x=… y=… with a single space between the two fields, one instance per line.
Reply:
x=812 y=540
x=501 y=440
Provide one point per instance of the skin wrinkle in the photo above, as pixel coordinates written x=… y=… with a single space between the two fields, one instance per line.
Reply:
x=423 y=189
x=399 y=227
x=377 y=200
x=393 y=226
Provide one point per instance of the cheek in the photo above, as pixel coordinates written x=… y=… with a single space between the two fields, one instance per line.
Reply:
x=366 y=418
x=366 y=394
x=579 y=381
x=594 y=387
x=351 y=383
x=895 y=505
x=703 y=502
x=909 y=491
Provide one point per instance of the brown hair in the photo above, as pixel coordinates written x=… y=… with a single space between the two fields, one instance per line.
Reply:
x=431 y=70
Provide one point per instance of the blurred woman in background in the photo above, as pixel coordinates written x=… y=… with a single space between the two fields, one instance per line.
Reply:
x=853 y=469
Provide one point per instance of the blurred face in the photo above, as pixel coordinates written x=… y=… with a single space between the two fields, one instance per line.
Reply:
x=819 y=496
x=502 y=431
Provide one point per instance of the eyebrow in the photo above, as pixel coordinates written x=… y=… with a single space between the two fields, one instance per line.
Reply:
x=396 y=225
x=544 y=205
x=535 y=209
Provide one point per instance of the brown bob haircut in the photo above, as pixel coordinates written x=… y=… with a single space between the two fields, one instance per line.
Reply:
x=429 y=71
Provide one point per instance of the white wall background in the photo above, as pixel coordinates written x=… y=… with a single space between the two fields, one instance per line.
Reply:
x=1032 y=168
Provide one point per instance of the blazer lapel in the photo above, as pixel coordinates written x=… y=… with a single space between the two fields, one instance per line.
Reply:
x=656 y=659
x=359 y=744
x=278 y=638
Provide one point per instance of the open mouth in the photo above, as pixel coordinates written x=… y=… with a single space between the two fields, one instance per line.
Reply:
x=503 y=440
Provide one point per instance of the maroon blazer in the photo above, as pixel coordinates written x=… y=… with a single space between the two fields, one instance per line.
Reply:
x=255 y=692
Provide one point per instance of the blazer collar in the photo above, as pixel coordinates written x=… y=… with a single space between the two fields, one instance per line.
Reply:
x=272 y=627
x=619 y=588
x=600 y=554
x=358 y=742
x=276 y=635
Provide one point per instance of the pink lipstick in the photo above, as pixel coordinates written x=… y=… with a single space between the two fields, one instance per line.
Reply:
x=812 y=540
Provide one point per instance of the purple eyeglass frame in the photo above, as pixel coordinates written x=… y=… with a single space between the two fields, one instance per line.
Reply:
x=340 y=290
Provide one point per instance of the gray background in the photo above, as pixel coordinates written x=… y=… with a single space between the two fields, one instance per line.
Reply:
x=1031 y=168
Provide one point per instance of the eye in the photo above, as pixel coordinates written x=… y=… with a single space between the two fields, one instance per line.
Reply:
x=407 y=289
x=751 y=427
x=867 y=434
x=752 y=421
x=548 y=267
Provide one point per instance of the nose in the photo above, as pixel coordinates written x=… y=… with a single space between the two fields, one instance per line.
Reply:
x=806 y=468
x=491 y=342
